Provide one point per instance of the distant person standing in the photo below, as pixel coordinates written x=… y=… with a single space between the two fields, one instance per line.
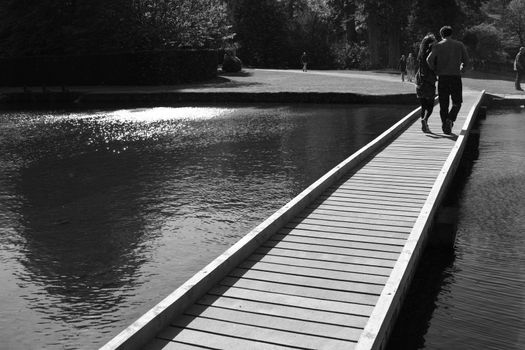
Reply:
x=403 y=67
x=425 y=81
x=304 y=61
x=519 y=67
x=411 y=67
x=448 y=60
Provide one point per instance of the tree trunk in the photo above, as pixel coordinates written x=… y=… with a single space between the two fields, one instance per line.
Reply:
x=394 y=37
x=374 y=38
x=351 y=33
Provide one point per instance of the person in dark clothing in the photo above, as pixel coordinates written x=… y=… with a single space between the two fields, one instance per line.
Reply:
x=403 y=67
x=519 y=67
x=304 y=61
x=425 y=81
x=448 y=60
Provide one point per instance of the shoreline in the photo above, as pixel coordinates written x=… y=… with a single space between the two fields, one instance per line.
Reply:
x=256 y=86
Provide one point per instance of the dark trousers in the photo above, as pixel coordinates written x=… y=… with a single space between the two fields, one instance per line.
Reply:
x=519 y=75
x=449 y=88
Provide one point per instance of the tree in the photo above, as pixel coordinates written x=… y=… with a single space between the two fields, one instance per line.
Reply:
x=372 y=10
x=394 y=14
x=183 y=23
x=261 y=31
x=431 y=15
x=484 y=42
x=343 y=17
x=515 y=20
x=36 y=27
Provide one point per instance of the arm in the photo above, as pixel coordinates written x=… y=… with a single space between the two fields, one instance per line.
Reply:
x=431 y=59
x=464 y=58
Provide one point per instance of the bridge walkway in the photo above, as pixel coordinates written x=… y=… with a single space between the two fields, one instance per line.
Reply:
x=332 y=274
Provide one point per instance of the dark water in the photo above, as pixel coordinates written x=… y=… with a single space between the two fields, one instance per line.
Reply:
x=474 y=297
x=104 y=213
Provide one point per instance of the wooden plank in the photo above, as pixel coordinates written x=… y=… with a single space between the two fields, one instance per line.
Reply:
x=294 y=290
x=334 y=318
x=360 y=213
x=414 y=150
x=371 y=181
x=397 y=190
x=394 y=194
x=162 y=344
x=369 y=209
x=326 y=257
x=337 y=243
x=313 y=272
x=323 y=283
x=400 y=157
x=403 y=165
x=319 y=304
x=379 y=207
x=364 y=198
x=338 y=238
x=379 y=193
x=346 y=230
x=365 y=226
x=429 y=174
x=321 y=265
x=267 y=334
x=393 y=182
x=286 y=324
x=395 y=177
x=400 y=144
x=215 y=341
x=354 y=252
x=342 y=217
x=356 y=197
x=408 y=161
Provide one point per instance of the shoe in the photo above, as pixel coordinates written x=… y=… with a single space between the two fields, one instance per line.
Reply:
x=446 y=127
x=424 y=126
x=520 y=89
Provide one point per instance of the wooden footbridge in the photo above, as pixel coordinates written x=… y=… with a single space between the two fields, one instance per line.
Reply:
x=330 y=269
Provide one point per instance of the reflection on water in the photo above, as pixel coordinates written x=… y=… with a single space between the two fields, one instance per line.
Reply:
x=478 y=301
x=103 y=213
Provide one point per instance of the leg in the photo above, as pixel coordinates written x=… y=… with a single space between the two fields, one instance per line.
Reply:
x=426 y=110
x=444 y=98
x=430 y=107
x=518 y=79
x=456 y=94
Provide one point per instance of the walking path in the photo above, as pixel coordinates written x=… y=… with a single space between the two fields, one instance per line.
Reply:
x=281 y=82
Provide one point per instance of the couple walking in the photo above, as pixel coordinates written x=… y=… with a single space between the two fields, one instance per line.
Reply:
x=443 y=61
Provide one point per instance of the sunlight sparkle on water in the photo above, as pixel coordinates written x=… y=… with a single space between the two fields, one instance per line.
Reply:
x=167 y=113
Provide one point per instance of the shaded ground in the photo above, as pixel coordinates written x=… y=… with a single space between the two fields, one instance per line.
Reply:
x=267 y=80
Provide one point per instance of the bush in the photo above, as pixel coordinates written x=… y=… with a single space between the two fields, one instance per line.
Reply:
x=484 y=42
x=351 y=56
x=231 y=63
x=129 y=68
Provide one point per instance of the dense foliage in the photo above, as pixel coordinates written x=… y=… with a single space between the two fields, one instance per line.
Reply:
x=36 y=27
x=270 y=33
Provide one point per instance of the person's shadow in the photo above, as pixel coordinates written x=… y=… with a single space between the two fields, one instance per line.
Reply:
x=452 y=136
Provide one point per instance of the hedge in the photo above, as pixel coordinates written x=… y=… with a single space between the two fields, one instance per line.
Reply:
x=129 y=68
